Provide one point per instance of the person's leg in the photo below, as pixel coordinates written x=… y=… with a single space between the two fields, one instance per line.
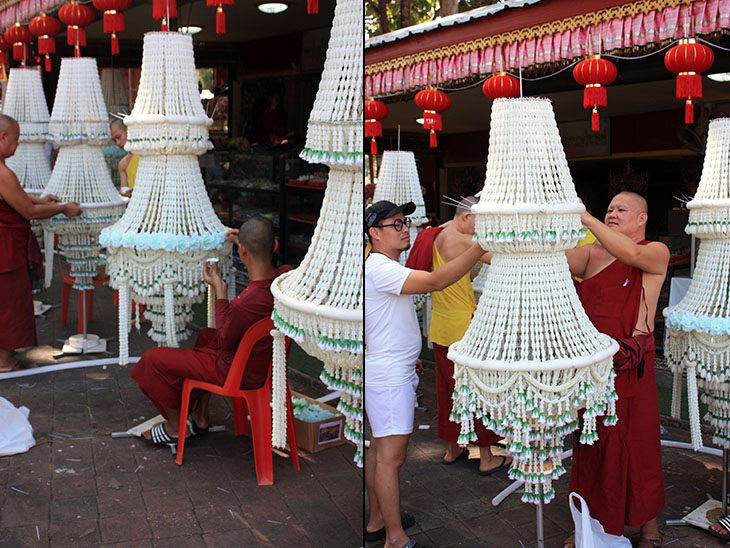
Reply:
x=447 y=431
x=489 y=461
x=200 y=411
x=7 y=362
x=171 y=426
x=650 y=535
x=389 y=458
x=375 y=519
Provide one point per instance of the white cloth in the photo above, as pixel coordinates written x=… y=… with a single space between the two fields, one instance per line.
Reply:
x=391 y=409
x=589 y=532
x=16 y=433
x=392 y=335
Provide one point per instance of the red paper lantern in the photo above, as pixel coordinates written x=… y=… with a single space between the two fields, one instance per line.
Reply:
x=312 y=7
x=5 y=47
x=688 y=59
x=595 y=73
x=19 y=36
x=45 y=27
x=220 y=15
x=501 y=86
x=374 y=112
x=164 y=9
x=432 y=102
x=113 y=18
x=76 y=17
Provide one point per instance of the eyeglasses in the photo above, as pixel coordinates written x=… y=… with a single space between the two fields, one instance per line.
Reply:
x=398 y=224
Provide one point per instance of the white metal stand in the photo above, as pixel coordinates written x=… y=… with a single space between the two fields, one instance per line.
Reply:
x=90 y=343
x=539 y=509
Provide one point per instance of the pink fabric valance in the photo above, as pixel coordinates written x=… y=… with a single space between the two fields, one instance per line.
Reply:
x=24 y=10
x=480 y=58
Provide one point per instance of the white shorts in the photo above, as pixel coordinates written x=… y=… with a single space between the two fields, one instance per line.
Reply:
x=391 y=409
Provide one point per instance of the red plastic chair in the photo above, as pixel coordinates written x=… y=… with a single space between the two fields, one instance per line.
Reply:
x=255 y=402
x=68 y=282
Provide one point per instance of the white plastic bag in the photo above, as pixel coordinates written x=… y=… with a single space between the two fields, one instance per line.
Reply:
x=589 y=532
x=16 y=433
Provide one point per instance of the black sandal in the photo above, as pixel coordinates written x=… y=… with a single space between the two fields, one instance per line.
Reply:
x=725 y=522
x=159 y=436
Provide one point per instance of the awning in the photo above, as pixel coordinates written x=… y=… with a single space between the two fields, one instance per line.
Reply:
x=24 y=10
x=631 y=25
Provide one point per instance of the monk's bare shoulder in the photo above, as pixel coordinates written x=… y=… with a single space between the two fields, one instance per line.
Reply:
x=8 y=180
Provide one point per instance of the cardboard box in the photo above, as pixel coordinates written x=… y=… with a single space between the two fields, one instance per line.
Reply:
x=316 y=436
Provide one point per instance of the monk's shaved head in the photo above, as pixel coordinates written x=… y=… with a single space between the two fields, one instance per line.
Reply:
x=638 y=199
x=7 y=123
x=464 y=206
x=257 y=235
x=117 y=122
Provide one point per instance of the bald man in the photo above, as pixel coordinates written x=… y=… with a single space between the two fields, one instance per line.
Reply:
x=161 y=371
x=18 y=249
x=127 y=166
x=620 y=475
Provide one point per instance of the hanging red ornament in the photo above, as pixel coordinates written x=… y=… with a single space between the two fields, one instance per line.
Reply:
x=5 y=47
x=45 y=27
x=220 y=15
x=432 y=102
x=76 y=17
x=113 y=18
x=374 y=112
x=688 y=59
x=19 y=36
x=312 y=7
x=595 y=73
x=501 y=86
x=164 y=9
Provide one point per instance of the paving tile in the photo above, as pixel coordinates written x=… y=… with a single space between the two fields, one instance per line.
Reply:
x=214 y=519
x=188 y=541
x=173 y=524
x=81 y=508
x=125 y=527
x=81 y=533
x=24 y=536
x=213 y=495
x=161 y=500
x=73 y=486
x=240 y=538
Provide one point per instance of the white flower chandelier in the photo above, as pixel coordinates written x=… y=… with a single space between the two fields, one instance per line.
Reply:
x=79 y=126
x=398 y=183
x=530 y=358
x=319 y=304
x=698 y=328
x=157 y=249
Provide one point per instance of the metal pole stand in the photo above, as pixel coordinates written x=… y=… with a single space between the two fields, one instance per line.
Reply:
x=540 y=530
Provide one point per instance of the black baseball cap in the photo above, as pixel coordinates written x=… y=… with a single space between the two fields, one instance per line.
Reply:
x=384 y=209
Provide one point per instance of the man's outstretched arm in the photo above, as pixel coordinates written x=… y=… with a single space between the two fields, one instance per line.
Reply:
x=420 y=281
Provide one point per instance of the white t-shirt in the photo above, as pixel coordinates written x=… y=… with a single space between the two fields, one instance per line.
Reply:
x=392 y=335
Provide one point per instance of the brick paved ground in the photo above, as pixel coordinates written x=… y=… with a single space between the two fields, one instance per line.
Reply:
x=452 y=505
x=79 y=487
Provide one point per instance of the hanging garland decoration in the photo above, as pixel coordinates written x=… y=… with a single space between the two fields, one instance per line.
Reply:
x=165 y=10
x=45 y=27
x=76 y=17
x=220 y=15
x=501 y=86
x=688 y=59
x=19 y=36
x=374 y=112
x=595 y=73
x=113 y=18
x=432 y=102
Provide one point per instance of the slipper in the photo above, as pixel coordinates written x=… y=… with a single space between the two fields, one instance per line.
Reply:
x=413 y=544
x=159 y=436
x=502 y=465
x=657 y=542
x=464 y=455
x=725 y=522
x=196 y=430
x=406 y=520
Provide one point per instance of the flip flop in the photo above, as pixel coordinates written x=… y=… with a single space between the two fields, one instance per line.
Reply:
x=464 y=454
x=654 y=542
x=502 y=465
x=159 y=436
x=196 y=430
x=725 y=522
x=406 y=520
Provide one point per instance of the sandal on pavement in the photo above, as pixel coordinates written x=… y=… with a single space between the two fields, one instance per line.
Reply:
x=653 y=542
x=159 y=436
x=569 y=542
x=724 y=521
x=406 y=520
x=502 y=465
x=196 y=430
x=464 y=454
x=413 y=544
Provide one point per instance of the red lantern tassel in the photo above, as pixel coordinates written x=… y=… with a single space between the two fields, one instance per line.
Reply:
x=433 y=139
x=19 y=51
x=81 y=32
x=431 y=120
x=163 y=26
x=115 y=44
x=220 y=21
x=163 y=8
x=113 y=22
x=689 y=84
x=373 y=147
x=312 y=7
x=48 y=63
x=594 y=96
x=594 y=119
x=689 y=112
x=77 y=51
x=46 y=44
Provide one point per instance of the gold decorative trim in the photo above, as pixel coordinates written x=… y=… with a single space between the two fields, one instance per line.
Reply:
x=536 y=31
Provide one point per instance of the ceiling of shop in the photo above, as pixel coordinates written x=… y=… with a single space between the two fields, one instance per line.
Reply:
x=244 y=22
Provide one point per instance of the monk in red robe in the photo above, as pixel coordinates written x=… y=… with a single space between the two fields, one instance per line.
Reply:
x=620 y=475
x=161 y=371
x=452 y=310
x=18 y=248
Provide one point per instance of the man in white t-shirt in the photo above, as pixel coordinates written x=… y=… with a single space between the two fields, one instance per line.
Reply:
x=392 y=347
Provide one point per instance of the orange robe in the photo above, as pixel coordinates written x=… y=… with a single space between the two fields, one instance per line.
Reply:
x=620 y=475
